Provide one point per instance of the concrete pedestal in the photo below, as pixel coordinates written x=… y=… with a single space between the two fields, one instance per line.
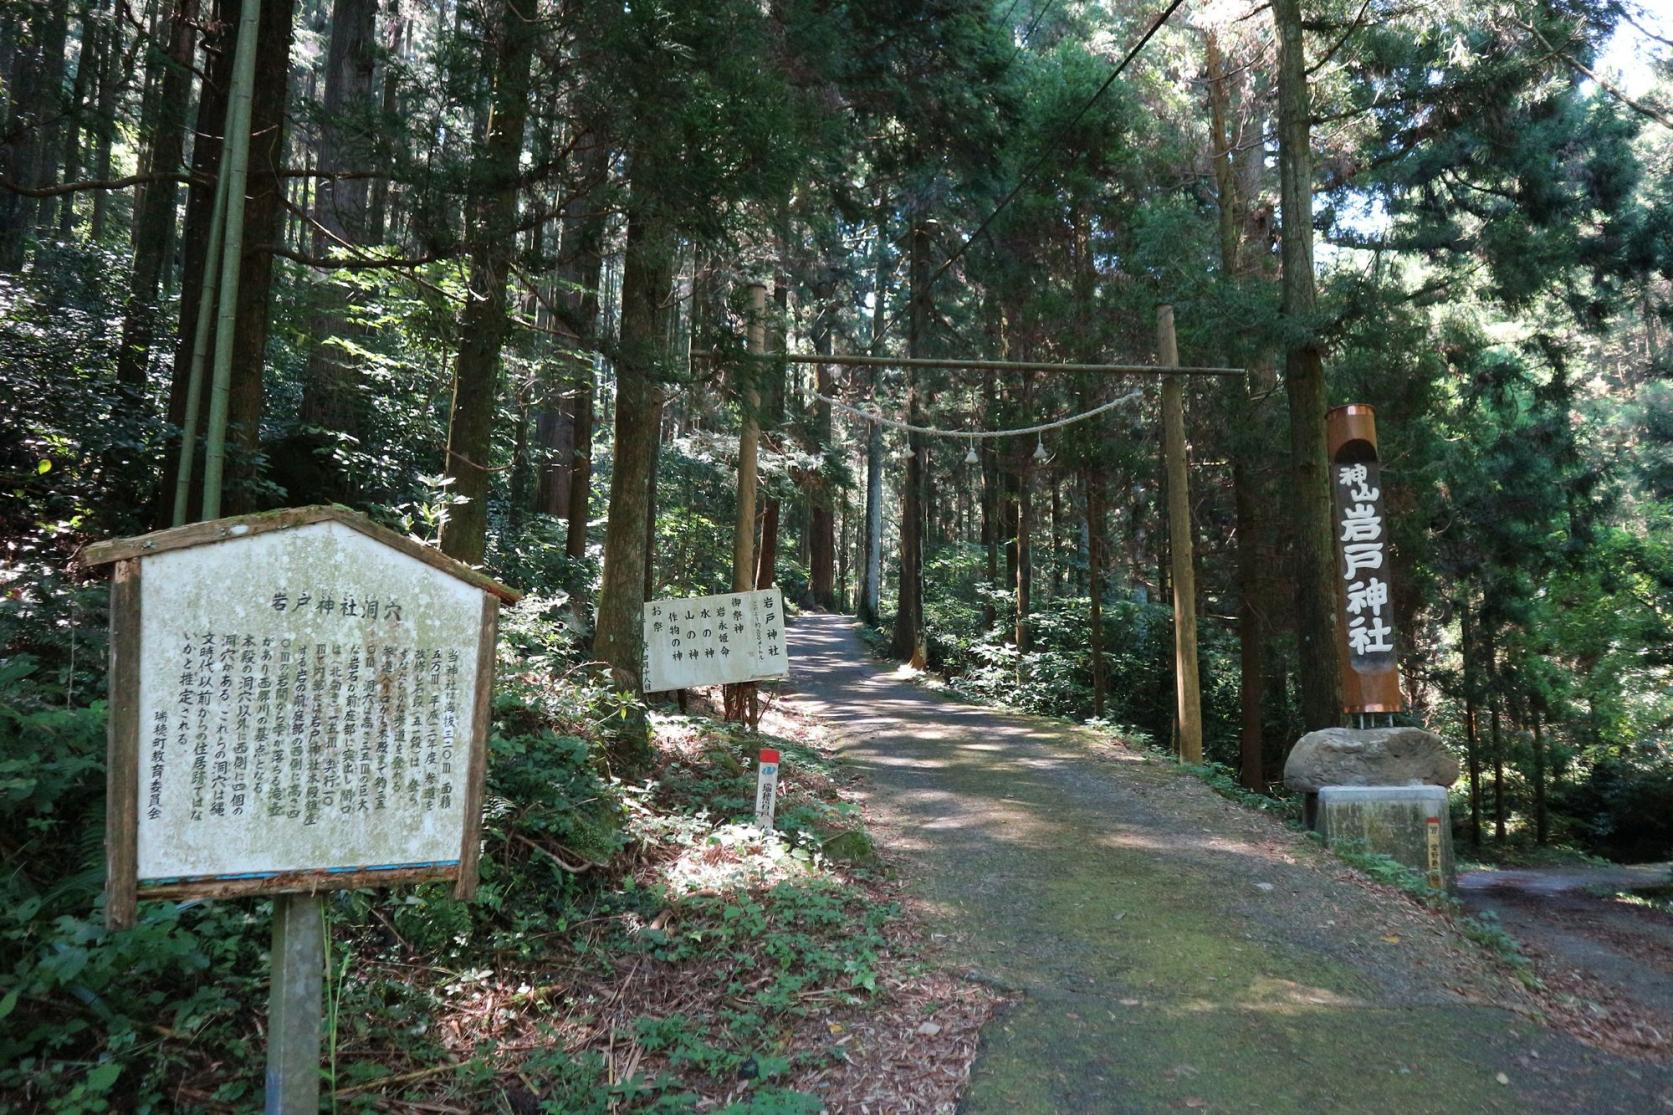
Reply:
x=1407 y=823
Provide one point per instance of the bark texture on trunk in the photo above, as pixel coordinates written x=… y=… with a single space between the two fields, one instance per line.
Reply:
x=645 y=284
x=1304 y=384
x=1187 y=686
x=1095 y=579
x=909 y=639
x=154 y=218
x=1472 y=740
x=482 y=324
x=330 y=393
x=821 y=513
x=871 y=570
x=262 y=208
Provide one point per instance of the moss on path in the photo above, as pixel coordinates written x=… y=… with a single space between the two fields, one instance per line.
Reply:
x=1170 y=950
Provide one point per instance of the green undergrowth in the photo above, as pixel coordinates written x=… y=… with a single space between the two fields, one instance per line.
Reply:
x=1521 y=851
x=1484 y=928
x=1223 y=781
x=618 y=910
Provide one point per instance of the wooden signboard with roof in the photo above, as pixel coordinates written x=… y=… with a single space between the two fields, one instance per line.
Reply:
x=299 y=702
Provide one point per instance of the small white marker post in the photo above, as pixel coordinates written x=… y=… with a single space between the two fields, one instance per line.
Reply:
x=766 y=787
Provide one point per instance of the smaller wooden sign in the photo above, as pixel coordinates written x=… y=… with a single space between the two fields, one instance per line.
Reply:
x=715 y=640
x=299 y=702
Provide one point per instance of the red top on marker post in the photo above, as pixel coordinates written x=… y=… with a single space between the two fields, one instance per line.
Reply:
x=768 y=755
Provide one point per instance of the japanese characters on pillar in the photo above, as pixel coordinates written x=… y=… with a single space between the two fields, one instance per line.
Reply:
x=766 y=787
x=714 y=640
x=1371 y=681
x=299 y=702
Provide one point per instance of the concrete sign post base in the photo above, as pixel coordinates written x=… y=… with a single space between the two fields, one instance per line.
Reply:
x=1406 y=823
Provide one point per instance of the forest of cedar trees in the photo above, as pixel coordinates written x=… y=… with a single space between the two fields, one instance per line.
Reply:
x=496 y=283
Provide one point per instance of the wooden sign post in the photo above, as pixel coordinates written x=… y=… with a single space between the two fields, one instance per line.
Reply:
x=1370 y=678
x=299 y=703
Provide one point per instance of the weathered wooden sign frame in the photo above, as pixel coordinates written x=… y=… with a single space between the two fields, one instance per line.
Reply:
x=124 y=754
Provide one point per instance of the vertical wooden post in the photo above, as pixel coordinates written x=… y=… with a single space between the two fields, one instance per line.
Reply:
x=293 y=1006
x=122 y=750
x=1187 y=686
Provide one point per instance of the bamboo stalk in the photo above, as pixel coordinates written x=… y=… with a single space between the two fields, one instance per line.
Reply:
x=235 y=161
x=200 y=345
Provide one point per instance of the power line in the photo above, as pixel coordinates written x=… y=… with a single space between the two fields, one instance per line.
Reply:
x=1045 y=156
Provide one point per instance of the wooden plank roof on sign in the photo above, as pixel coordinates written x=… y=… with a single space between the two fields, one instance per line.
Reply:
x=244 y=526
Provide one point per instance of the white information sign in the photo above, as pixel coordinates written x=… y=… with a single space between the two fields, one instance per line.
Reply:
x=305 y=703
x=715 y=640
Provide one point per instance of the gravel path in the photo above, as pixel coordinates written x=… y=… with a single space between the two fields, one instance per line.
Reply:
x=1167 y=949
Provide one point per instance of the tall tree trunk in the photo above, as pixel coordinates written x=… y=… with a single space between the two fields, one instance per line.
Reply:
x=1542 y=819
x=1095 y=583
x=766 y=556
x=331 y=397
x=581 y=475
x=389 y=105
x=29 y=148
x=645 y=284
x=87 y=61
x=821 y=513
x=1251 y=628
x=990 y=501
x=1472 y=742
x=871 y=576
x=520 y=466
x=1008 y=484
x=1315 y=589
x=263 y=208
x=1025 y=558
x=1181 y=548
x=261 y=222
x=566 y=432
x=909 y=631
x=110 y=56
x=650 y=496
x=1495 y=734
x=155 y=216
x=219 y=44
x=482 y=324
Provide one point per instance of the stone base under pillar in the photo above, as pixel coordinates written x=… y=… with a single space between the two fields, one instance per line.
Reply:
x=1409 y=824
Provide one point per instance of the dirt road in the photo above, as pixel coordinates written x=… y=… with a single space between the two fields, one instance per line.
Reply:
x=1615 y=956
x=1170 y=950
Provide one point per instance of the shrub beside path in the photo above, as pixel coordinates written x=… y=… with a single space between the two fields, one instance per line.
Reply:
x=1167 y=949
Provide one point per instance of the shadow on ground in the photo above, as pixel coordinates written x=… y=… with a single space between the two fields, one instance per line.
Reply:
x=1170 y=950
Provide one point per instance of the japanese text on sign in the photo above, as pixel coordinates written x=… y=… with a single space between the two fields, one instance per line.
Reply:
x=714 y=640
x=306 y=702
x=1362 y=539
